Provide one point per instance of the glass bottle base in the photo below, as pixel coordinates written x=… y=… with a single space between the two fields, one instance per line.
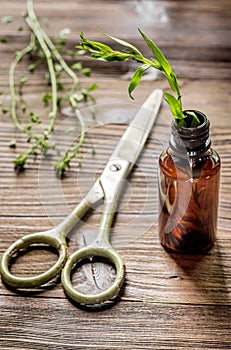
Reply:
x=189 y=251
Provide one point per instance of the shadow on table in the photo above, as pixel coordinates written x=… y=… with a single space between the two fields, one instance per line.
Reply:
x=207 y=273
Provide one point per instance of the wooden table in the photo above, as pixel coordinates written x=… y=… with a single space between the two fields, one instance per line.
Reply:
x=169 y=302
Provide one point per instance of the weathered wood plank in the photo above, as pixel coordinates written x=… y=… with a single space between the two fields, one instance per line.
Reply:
x=169 y=301
x=155 y=326
x=201 y=34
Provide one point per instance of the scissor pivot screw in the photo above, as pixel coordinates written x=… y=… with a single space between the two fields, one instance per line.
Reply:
x=115 y=167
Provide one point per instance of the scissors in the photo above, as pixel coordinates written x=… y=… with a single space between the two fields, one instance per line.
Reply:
x=107 y=187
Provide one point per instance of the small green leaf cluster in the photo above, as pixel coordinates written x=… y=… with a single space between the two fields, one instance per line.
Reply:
x=42 y=50
x=4 y=110
x=158 y=61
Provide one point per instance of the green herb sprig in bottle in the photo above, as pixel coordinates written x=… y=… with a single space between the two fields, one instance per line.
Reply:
x=158 y=61
x=189 y=169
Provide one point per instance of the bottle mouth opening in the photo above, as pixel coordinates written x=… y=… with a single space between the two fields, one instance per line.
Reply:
x=188 y=120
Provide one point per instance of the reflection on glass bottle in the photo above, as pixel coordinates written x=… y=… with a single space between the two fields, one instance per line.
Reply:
x=189 y=176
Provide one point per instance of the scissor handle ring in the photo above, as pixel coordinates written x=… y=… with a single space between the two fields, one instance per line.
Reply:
x=25 y=242
x=95 y=299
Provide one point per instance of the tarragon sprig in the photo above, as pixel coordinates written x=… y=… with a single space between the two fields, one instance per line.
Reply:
x=158 y=61
x=43 y=50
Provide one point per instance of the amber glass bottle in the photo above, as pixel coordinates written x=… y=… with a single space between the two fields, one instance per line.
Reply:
x=189 y=174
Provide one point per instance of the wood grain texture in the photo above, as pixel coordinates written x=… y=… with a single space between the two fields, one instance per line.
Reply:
x=169 y=301
x=125 y=326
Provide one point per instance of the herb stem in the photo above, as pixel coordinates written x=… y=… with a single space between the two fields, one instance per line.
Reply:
x=19 y=55
x=82 y=126
x=62 y=62
x=33 y=23
x=49 y=53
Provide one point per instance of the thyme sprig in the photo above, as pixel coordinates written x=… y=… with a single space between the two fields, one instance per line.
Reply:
x=158 y=61
x=43 y=50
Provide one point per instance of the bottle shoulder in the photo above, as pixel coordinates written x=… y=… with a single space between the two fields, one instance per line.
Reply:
x=202 y=164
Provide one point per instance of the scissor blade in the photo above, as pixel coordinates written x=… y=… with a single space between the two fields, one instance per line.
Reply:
x=135 y=136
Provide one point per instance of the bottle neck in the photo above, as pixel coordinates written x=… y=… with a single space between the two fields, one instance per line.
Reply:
x=190 y=141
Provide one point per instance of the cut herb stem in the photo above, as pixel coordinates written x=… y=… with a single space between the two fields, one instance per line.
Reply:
x=19 y=55
x=47 y=51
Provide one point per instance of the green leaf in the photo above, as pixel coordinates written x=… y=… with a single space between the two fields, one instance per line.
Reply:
x=22 y=79
x=172 y=80
x=86 y=72
x=136 y=78
x=5 y=110
x=123 y=43
x=7 y=19
x=47 y=97
x=58 y=67
x=112 y=56
x=175 y=106
x=13 y=143
x=58 y=70
x=93 y=151
x=93 y=87
x=158 y=54
x=77 y=66
x=93 y=46
x=63 y=33
x=31 y=67
x=34 y=118
x=195 y=120
x=156 y=63
x=60 y=86
x=20 y=161
x=23 y=104
x=3 y=40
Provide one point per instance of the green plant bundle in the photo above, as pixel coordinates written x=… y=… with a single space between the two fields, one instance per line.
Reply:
x=42 y=50
x=159 y=61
